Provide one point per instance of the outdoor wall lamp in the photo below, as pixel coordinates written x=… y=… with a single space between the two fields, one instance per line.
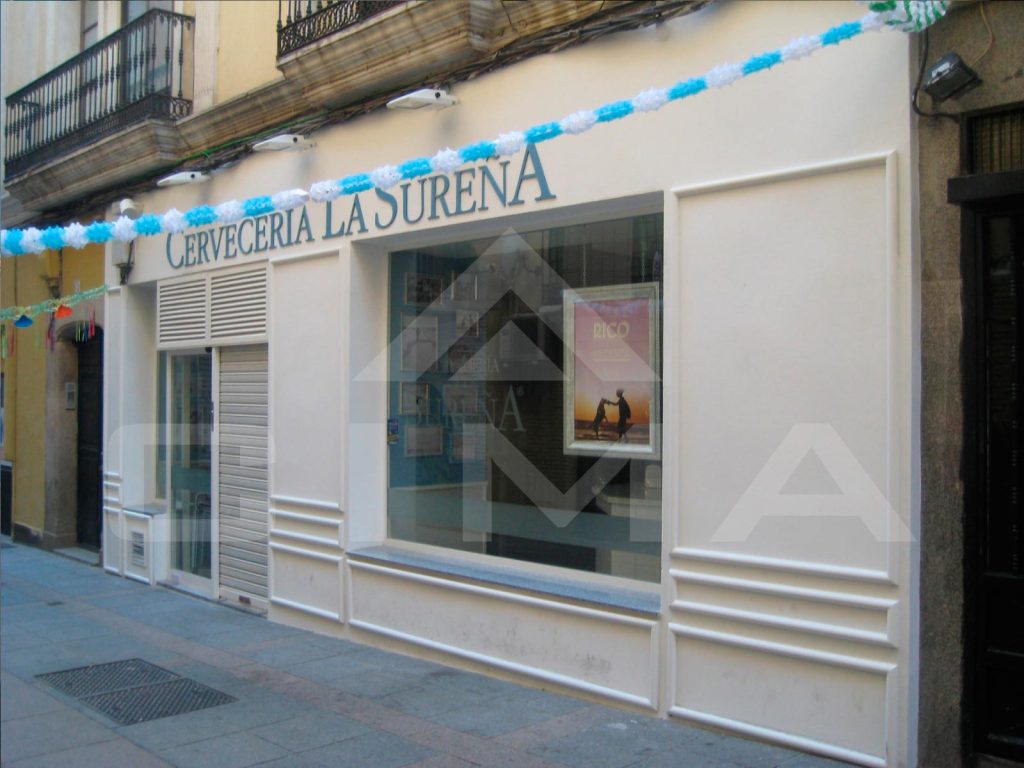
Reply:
x=424 y=98
x=121 y=257
x=183 y=177
x=283 y=141
x=949 y=77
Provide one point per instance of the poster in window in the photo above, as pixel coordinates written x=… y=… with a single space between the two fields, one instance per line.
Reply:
x=419 y=343
x=467 y=444
x=414 y=399
x=424 y=440
x=422 y=288
x=612 y=371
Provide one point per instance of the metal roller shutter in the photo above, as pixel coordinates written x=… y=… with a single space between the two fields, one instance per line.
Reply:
x=243 y=456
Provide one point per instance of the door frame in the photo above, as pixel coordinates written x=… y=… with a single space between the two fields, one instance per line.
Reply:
x=977 y=202
x=190 y=582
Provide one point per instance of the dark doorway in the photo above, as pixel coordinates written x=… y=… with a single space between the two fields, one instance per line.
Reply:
x=994 y=475
x=90 y=441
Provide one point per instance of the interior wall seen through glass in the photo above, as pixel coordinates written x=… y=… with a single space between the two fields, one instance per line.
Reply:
x=525 y=396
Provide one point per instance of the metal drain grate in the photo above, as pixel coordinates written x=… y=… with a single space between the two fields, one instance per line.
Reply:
x=150 y=702
x=134 y=691
x=101 y=678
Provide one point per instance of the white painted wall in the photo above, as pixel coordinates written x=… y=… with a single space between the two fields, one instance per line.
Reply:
x=788 y=302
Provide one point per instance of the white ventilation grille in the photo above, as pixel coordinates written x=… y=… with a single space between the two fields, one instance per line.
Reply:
x=182 y=313
x=216 y=309
x=243 y=460
x=238 y=305
x=138 y=556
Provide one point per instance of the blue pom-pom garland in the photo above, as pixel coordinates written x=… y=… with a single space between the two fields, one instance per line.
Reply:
x=909 y=15
x=542 y=132
x=410 y=169
x=99 y=231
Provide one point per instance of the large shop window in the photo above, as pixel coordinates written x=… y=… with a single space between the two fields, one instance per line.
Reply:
x=525 y=396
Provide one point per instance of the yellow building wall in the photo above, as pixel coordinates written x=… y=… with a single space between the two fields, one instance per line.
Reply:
x=8 y=366
x=247 y=48
x=26 y=409
x=22 y=283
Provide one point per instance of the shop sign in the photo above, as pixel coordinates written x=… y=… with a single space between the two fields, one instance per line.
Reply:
x=432 y=198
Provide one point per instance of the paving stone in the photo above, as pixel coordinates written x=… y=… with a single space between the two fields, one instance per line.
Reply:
x=119 y=752
x=237 y=750
x=371 y=750
x=295 y=651
x=311 y=730
x=507 y=713
x=22 y=699
x=813 y=761
x=615 y=745
x=155 y=735
x=371 y=685
x=331 y=668
x=49 y=732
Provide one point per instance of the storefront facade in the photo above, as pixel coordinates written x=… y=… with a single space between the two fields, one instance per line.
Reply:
x=629 y=413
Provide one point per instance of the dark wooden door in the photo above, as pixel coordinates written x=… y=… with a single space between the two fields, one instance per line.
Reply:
x=90 y=441
x=995 y=508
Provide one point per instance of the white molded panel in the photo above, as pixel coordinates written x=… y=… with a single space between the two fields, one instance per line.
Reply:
x=598 y=651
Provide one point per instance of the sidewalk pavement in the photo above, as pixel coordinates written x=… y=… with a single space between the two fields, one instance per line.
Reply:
x=302 y=700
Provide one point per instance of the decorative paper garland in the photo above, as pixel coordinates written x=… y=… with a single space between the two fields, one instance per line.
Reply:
x=907 y=15
x=22 y=316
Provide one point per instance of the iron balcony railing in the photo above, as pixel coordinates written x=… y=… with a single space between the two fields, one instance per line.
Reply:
x=301 y=22
x=143 y=70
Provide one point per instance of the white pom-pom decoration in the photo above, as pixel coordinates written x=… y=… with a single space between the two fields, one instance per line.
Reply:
x=446 y=161
x=323 y=191
x=173 y=221
x=30 y=241
x=724 y=75
x=650 y=100
x=385 y=177
x=124 y=229
x=230 y=212
x=578 y=122
x=802 y=46
x=290 y=198
x=74 y=235
x=509 y=143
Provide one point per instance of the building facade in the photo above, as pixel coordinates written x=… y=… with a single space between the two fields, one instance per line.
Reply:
x=647 y=413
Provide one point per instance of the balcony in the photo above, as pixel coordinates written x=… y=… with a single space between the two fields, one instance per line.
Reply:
x=141 y=72
x=302 y=22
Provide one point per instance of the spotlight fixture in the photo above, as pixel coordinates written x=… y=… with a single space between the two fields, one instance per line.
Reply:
x=424 y=98
x=283 y=141
x=949 y=78
x=128 y=208
x=183 y=177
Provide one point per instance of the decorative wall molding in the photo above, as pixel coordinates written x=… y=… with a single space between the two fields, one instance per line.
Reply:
x=568 y=610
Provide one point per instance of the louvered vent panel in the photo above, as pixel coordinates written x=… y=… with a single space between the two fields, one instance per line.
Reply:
x=244 y=503
x=238 y=305
x=182 y=313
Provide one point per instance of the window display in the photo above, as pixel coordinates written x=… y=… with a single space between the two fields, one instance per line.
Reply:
x=525 y=375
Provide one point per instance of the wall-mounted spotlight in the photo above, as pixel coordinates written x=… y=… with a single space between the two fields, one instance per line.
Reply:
x=120 y=256
x=424 y=98
x=128 y=208
x=949 y=78
x=183 y=177
x=283 y=141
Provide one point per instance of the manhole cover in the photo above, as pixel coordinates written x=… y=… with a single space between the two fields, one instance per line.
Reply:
x=134 y=691
x=150 y=702
x=100 y=678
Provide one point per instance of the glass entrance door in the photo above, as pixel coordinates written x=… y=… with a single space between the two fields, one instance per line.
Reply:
x=191 y=430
